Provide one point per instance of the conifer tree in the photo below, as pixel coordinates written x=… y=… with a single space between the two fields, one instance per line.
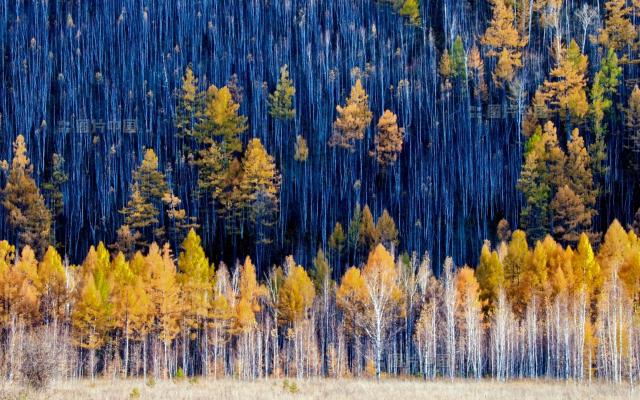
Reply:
x=503 y=41
x=189 y=105
x=93 y=310
x=337 y=239
x=53 y=286
x=387 y=230
x=632 y=124
x=281 y=100
x=490 y=275
x=322 y=271
x=295 y=296
x=164 y=293
x=570 y=217
x=458 y=60
x=618 y=31
x=53 y=187
x=566 y=91
x=221 y=119
x=578 y=170
x=353 y=119
x=476 y=73
x=368 y=234
x=388 y=140
x=194 y=278
x=259 y=187
x=25 y=207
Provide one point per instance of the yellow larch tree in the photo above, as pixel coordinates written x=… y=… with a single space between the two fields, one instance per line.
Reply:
x=53 y=286
x=503 y=41
x=388 y=140
x=353 y=119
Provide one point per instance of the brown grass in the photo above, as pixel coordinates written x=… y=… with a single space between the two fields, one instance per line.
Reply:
x=320 y=389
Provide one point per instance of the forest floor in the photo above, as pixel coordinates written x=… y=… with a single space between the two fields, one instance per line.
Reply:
x=394 y=389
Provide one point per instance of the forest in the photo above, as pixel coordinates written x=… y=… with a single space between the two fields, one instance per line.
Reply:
x=320 y=188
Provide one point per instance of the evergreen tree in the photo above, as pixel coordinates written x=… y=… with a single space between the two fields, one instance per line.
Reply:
x=632 y=124
x=281 y=101
x=368 y=234
x=337 y=239
x=458 y=60
x=387 y=230
x=25 y=207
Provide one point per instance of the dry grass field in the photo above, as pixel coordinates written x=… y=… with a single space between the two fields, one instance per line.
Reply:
x=320 y=389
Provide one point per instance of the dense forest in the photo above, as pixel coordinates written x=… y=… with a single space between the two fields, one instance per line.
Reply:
x=385 y=146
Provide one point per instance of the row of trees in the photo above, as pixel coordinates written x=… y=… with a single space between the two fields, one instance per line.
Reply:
x=550 y=310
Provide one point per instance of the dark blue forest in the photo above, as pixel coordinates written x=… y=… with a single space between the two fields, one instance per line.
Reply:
x=96 y=82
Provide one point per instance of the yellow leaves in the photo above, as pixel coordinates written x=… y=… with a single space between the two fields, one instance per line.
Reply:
x=221 y=118
x=388 y=140
x=195 y=277
x=245 y=317
x=566 y=90
x=353 y=119
x=189 y=87
x=503 y=41
x=618 y=31
x=467 y=285
x=250 y=289
x=296 y=295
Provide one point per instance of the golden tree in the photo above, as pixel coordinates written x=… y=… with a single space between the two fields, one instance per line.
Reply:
x=189 y=105
x=383 y=301
x=195 y=281
x=353 y=119
x=618 y=31
x=566 y=92
x=388 y=140
x=490 y=275
x=26 y=211
x=295 y=296
x=259 y=187
x=53 y=286
x=221 y=119
x=503 y=41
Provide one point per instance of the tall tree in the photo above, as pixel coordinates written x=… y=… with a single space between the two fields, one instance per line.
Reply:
x=383 y=299
x=25 y=207
x=503 y=41
x=259 y=187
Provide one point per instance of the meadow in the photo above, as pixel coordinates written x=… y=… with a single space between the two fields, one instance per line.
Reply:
x=228 y=389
